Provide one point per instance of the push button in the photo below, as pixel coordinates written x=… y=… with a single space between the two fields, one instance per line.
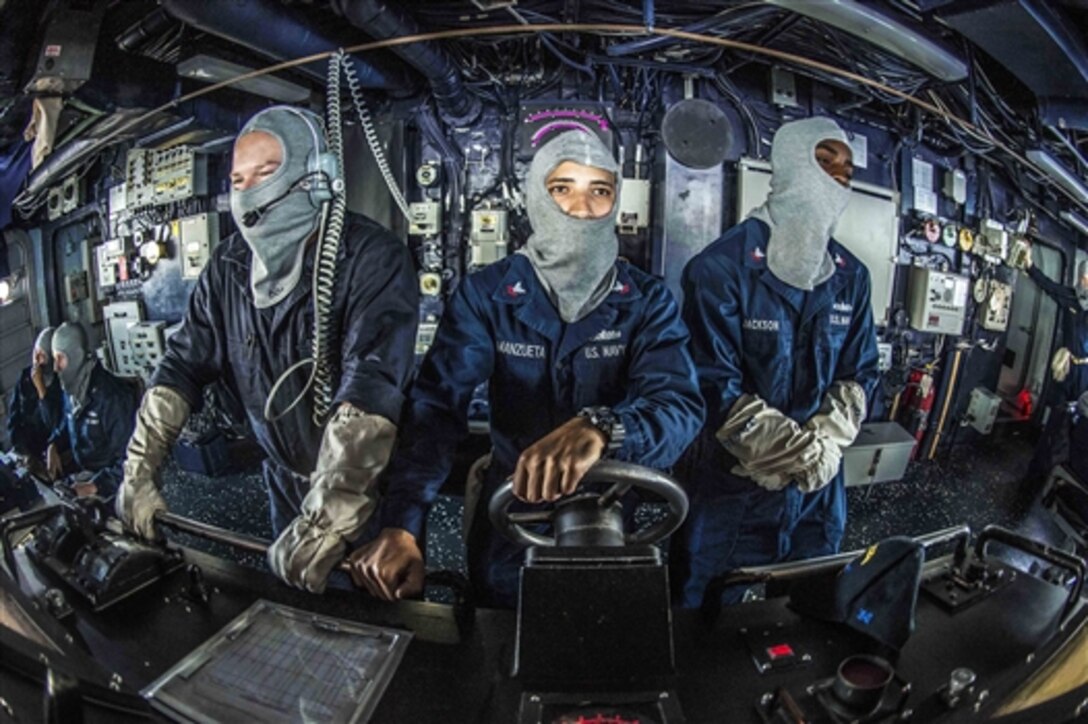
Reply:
x=780 y=651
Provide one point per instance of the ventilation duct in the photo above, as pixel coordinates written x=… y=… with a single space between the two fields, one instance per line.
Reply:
x=271 y=29
x=380 y=21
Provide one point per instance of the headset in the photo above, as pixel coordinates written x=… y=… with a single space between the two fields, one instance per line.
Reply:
x=320 y=165
x=322 y=179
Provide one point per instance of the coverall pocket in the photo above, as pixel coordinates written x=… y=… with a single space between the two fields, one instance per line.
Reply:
x=768 y=358
x=250 y=377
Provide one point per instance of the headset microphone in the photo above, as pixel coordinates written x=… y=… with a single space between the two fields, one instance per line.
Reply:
x=251 y=217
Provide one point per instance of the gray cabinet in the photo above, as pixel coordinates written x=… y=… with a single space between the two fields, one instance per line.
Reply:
x=880 y=454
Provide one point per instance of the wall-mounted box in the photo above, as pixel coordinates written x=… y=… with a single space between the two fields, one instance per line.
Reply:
x=937 y=301
x=879 y=454
x=198 y=234
x=982 y=410
x=424 y=218
x=634 y=201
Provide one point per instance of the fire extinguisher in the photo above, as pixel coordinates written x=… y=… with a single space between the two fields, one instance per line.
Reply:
x=917 y=405
x=1024 y=403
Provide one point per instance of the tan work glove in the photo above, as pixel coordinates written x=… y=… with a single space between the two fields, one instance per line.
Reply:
x=768 y=445
x=54 y=464
x=354 y=450
x=162 y=414
x=836 y=424
x=1062 y=362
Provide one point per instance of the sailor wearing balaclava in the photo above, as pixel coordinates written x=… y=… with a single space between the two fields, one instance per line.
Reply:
x=99 y=410
x=785 y=346
x=585 y=357
x=35 y=406
x=250 y=323
x=1070 y=362
x=1069 y=366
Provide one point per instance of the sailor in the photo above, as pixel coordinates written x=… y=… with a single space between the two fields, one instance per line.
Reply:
x=36 y=405
x=99 y=410
x=785 y=346
x=585 y=356
x=250 y=323
x=1069 y=367
x=1070 y=362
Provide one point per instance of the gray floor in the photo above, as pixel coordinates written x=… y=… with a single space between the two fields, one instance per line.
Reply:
x=976 y=484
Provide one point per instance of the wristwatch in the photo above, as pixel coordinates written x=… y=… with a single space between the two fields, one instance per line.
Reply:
x=608 y=422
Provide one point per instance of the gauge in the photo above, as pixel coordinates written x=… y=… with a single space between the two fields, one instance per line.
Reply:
x=966 y=239
x=426 y=174
x=948 y=235
x=932 y=230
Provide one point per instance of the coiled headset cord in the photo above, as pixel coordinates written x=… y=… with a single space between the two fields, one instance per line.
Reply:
x=330 y=233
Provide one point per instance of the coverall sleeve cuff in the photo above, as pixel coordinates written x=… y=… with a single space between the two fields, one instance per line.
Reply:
x=192 y=394
x=107 y=482
x=373 y=398
x=403 y=514
x=634 y=438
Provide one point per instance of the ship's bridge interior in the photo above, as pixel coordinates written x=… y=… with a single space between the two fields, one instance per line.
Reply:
x=965 y=477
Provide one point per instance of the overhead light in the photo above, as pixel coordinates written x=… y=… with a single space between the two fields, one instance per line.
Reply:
x=1076 y=220
x=209 y=69
x=883 y=31
x=1061 y=175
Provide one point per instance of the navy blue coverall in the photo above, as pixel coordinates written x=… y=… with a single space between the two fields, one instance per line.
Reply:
x=629 y=354
x=1055 y=443
x=752 y=333
x=97 y=435
x=32 y=420
x=1074 y=331
x=224 y=336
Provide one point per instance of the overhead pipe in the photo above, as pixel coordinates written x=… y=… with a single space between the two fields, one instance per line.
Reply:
x=271 y=29
x=380 y=21
x=143 y=30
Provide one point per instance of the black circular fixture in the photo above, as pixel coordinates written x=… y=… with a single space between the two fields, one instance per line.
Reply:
x=697 y=133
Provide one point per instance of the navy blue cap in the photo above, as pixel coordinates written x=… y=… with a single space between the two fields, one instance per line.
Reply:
x=876 y=593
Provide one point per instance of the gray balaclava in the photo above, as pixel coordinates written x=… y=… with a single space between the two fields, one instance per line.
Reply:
x=575 y=259
x=71 y=341
x=44 y=342
x=279 y=234
x=804 y=205
x=1082 y=289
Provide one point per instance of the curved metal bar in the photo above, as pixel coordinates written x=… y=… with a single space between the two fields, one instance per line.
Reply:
x=1042 y=551
x=793 y=570
x=220 y=535
x=629 y=475
x=497 y=511
x=623 y=476
x=213 y=532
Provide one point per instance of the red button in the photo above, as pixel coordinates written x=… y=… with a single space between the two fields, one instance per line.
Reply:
x=781 y=651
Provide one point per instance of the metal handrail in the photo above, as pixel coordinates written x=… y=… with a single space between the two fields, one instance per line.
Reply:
x=793 y=570
x=211 y=532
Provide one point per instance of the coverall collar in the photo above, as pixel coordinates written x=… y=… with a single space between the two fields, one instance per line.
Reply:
x=521 y=288
x=808 y=303
x=239 y=257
